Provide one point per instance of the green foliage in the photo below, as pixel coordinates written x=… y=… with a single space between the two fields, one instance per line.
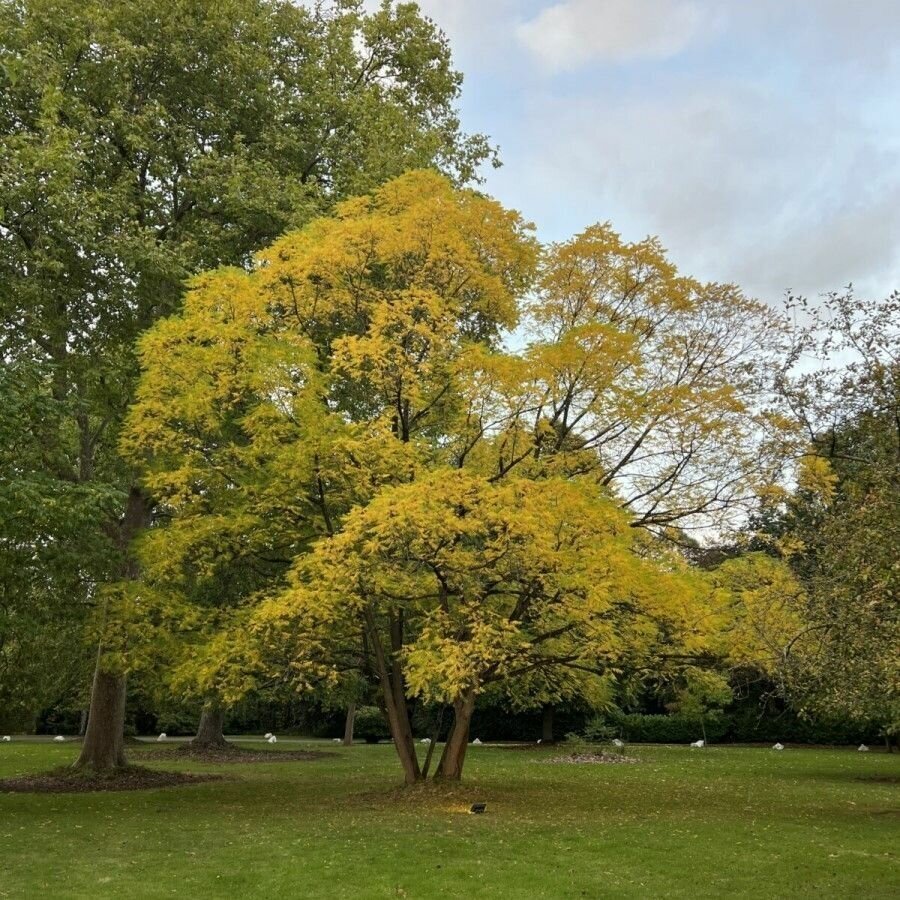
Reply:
x=748 y=724
x=700 y=693
x=599 y=730
x=656 y=729
x=49 y=552
x=840 y=529
x=370 y=725
x=141 y=143
x=745 y=723
x=177 y=721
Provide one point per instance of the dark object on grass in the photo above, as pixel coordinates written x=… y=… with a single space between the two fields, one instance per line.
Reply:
x=478 y=807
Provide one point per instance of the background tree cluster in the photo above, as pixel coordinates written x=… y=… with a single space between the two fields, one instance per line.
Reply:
x=840 y=528
x=140 y=143
x=287 y=405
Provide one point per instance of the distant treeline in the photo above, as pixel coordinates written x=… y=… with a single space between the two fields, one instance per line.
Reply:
x=746 y=721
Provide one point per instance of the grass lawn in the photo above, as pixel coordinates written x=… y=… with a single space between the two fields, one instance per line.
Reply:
x=720 y=822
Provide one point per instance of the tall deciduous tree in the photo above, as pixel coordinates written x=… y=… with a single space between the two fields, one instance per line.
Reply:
x=140 y=142
x=48 y=553
x=840 y=528
x=346 y=414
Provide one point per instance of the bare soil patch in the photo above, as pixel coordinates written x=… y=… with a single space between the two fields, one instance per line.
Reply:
x=71 y=781
x=232 y=754
x=880 y=779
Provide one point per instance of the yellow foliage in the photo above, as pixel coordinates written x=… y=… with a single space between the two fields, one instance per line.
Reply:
x=492 y=581
x=344 y=446
x=815 y=475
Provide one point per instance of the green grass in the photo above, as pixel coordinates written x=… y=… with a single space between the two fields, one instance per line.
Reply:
x=738 y=822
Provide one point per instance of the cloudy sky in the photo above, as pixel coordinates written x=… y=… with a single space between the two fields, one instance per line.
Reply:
x=760 y=139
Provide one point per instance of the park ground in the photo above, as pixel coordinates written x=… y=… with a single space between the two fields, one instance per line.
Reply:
x=719 y=822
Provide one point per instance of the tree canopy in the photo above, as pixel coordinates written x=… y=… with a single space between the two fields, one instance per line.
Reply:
x=840 y=527
x=346 y=421
x=141 y=143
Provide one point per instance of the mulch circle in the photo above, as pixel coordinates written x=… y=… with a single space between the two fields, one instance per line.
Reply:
x=601 y=758
x=534 y=747
x=72 y=781
x=233 y=755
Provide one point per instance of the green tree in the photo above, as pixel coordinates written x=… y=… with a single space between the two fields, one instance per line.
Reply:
x=48 y=552
x=840 y=528
x=141 y=142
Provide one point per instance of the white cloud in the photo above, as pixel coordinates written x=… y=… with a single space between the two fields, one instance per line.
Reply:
x=574 y=32
x=758 y=139
x=740 y=184
x=480 y=31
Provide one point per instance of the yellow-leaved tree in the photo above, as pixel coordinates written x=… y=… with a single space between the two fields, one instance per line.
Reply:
x=369 y=476
x=458 y=583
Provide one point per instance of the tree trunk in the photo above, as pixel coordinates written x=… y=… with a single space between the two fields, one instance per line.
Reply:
x=547 y=725
x=82 y=723
x=435 y=736
x=401 y=732
x=394 y=703
x=454 y=755
x=105 y=736
x=210 y=735
x=348 y=725
x=103 y=747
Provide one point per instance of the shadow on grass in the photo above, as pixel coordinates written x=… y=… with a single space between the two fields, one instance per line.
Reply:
x=66 y=780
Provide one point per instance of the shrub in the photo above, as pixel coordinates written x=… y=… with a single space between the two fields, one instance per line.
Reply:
x=598 y=730
x=371 y=725
x=742 y=725
x=656 y=729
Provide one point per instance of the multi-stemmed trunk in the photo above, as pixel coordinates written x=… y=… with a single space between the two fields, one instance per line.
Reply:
x=396 y=705
x=104 y=738
x=451 y=765
x=210 y=732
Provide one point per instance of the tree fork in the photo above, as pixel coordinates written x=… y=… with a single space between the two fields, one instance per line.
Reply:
x=451 y=765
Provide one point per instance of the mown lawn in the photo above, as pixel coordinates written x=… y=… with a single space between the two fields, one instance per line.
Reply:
x=721 y=822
